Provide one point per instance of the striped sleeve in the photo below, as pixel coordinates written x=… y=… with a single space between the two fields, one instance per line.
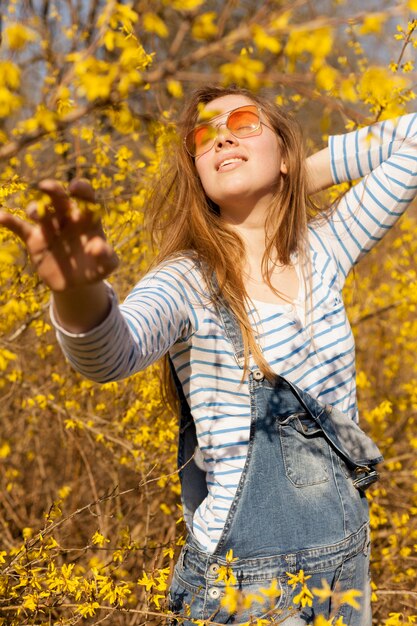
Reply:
x=384 y=156
x=157 y=313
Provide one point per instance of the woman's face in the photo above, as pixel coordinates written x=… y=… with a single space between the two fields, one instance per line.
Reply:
x=239 y=174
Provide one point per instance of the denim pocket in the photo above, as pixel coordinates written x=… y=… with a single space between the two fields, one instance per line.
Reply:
x=305 y=451
x=354 y=574
x=185 y=600
x=248 y=603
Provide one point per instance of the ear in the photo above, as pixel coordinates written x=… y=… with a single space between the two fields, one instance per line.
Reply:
x=283 y=168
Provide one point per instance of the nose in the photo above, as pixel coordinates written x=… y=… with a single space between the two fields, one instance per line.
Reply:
x=224 y=137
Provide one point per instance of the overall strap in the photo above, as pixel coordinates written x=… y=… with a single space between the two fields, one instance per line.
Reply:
x=230 y=324
x=192 y=475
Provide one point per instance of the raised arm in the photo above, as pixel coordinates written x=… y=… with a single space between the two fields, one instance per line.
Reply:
x=319 y=173
x=384 y=157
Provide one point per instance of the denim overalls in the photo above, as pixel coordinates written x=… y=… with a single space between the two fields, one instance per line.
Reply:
x=300 y=505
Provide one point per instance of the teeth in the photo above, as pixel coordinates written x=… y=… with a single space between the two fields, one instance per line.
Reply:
x=227 y=161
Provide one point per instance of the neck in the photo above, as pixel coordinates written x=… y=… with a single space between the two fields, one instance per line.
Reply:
x=250 y=225
x=249 y=213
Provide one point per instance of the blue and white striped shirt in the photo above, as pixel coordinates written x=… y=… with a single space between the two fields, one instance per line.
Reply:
x=168 y=310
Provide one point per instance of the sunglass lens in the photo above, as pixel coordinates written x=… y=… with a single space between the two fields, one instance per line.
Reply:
x=243 y=121
x=199 y=140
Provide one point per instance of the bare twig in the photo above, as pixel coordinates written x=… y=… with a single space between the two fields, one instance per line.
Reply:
x=27 y=323
x=397 y=592
x=92 y=14
x=179 y=38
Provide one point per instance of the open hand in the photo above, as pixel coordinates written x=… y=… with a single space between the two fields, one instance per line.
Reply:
x=67 y=245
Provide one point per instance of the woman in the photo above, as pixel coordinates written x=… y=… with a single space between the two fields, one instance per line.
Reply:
x=245 y=298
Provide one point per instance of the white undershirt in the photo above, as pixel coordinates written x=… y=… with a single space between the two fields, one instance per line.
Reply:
x=298 y=305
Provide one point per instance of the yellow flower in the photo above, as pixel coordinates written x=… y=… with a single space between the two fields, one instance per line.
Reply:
x=30 y=602
x=146 y=582
x=184 y=5
x=45 y=118
x=322 y=621
x=226 y=574
x=152 y=23
x=326 y=77
x=304 y=597
x=280 y=22
x=27 y=533
x=17 y=36
x=174 y=88
x=372 y=24
x=204 y=27
x=9 y=102
x=169 y=552
x=324 y=592
x=88 y=609
x=349 y=597
x=294 y=579
x=264 y=41
x=87 y=133
x=156 y=599
x=64 y=491
x=99 y=539
x=318 y=43
x=362 y=381
x=408 y=66
x=9 y=75
x=5 y=357
x=272 y=591
x=229 y=557
x=244 y=71
x=5 y=451
x=230 y=599
x=123 y=157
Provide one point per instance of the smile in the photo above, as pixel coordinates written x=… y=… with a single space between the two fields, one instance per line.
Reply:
x=230 y=162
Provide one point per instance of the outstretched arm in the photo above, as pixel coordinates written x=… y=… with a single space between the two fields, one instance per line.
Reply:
x=69 y=251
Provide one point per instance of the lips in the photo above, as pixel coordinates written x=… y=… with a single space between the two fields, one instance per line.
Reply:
x=226 y=160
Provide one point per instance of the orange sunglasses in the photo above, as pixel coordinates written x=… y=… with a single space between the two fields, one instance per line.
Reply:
x=241 y=122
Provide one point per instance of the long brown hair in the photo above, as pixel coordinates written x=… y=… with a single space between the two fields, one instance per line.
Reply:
x=182 y=219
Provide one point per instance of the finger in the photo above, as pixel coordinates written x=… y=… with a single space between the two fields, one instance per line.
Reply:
x=59 y=197
x=82 y=189
x=49 y=222
x=17 y=226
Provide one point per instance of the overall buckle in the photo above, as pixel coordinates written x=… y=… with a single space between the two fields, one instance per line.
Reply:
x=365 y=476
